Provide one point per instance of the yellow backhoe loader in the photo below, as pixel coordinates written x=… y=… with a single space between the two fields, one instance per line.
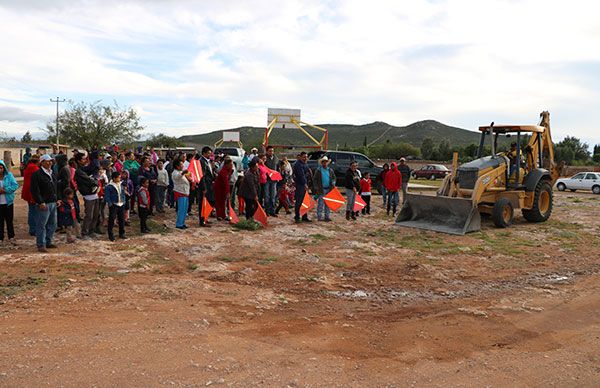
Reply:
x=496 y=185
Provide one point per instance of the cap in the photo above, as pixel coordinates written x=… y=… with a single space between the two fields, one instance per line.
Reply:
x=46 y=157
x=402 y=160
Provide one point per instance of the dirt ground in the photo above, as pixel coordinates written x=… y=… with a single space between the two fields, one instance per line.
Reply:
x=364 y=304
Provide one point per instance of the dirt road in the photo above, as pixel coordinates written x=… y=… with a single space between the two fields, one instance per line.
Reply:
x=362 y=304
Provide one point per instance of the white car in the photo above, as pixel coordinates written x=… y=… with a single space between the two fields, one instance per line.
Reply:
x=581 y=181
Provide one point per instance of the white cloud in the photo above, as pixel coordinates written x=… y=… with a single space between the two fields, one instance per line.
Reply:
x=196 y=66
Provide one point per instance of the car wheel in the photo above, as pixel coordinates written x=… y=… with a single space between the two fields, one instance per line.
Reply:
x=596 y=189
x=432 y=177
x=561 y=187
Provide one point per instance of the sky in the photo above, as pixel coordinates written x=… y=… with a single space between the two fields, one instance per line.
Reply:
x=193 y=67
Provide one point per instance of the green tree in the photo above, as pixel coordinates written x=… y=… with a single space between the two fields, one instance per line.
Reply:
x=162 y=140
x=95 y=125
x=428 y=148
x=571 y=144
x=27 y=137
x=443 y=151
x=596 y=156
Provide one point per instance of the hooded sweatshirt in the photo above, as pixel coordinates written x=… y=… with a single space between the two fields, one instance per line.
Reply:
x=26 y=193
x=9 y=184
x=393 y=179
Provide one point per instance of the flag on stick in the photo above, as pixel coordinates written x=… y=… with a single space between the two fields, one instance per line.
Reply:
x=195 y=169
x=206 y=208
x=307 y=204
x=261 y=216
x=233 y=217
x=359 y=204
x=334 y=199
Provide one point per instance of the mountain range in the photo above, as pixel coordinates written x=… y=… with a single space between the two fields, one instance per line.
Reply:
x=347 y=135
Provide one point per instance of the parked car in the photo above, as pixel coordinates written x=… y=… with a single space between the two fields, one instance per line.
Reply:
x=236 y=154
x=581 y=181
x=431 y=171
x=340 y=162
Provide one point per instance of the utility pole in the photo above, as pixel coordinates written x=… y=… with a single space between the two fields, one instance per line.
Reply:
x=58 y=100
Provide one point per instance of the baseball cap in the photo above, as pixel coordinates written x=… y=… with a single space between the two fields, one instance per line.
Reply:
x=46 y=157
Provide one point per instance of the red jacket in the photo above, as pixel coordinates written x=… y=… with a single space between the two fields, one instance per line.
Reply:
x=393 y=179
x=25 y=192
x=365 y=185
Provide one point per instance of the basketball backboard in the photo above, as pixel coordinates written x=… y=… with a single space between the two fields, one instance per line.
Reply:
x=285 y=117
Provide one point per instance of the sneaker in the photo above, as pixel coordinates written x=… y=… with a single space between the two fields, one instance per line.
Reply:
x=181 y=227
x=123 y=237
x=111 y=238
x=51 y=246
x=306 y=220
x=274 y=215
x=297 y=221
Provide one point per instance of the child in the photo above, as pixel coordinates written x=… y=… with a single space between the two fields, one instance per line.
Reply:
x=127 y=185
x=365 y=192
x=67 y=213
x=393 y=183
x=162 y=183
x=102 y=182
x=115 y=199
x=143 y=196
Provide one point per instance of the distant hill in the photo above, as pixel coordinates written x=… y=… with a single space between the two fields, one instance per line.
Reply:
x=348 y=135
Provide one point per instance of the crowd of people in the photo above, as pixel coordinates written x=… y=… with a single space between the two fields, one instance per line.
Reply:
x=99 y=189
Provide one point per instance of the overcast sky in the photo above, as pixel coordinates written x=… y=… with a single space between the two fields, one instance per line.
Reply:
x=196 y=66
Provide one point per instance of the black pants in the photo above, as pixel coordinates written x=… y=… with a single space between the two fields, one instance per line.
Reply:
x=143 y=213
x=117 y=212
x=6 y=217
x=367 y=208
x=298 y=198
x=250 y=207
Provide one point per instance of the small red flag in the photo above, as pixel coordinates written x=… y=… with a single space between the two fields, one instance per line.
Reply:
x=195 y=169
x=241 y=204
x=206 y=208
x=261 y=216
x=233 y=218
x=274 y=175
x=359 y=204
x=307 y=204
x=334 y=199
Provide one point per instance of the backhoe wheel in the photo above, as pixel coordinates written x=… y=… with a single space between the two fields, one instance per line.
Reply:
x=503 y=213
x=542 y=203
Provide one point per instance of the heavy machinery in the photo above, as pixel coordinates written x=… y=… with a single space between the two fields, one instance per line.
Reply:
x=496 y=185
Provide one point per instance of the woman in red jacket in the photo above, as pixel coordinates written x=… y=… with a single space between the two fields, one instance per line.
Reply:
x=32 y=166
x=221 y=188
x=393 y=183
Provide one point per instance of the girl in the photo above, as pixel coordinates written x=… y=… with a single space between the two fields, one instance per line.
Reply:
x=31 y=167
x=352 y=184
x=365 y=193
x=8 y=186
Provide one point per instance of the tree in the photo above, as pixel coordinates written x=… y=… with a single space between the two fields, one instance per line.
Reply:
x=162 y=140
x=95 y=125
x=572 y=145
x=27 y=137
x=443 y=150
x=428 y=148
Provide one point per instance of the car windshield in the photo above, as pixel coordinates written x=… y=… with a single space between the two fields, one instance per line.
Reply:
x=579 y=176
x=440 y=167
x=315 y=155
x=227 y=151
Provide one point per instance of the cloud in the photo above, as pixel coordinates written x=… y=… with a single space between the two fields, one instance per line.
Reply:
x=15 y=114
x=191 y=66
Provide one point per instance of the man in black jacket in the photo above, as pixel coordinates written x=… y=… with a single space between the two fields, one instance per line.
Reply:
x=88 y=187
x=43 y=188
x=205 y=188
x=271 y=186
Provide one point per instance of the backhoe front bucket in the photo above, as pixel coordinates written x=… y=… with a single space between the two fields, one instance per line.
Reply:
x=441 y=214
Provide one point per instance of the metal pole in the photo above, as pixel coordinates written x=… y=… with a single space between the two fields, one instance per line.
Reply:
x=58 y=100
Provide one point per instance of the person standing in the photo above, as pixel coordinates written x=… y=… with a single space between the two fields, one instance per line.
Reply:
x=381 y=180
x=8 y=186
x=222 y=190
x=205 y=188
x=323 y=183
x=271 y=162
x=88 y=187
x=114 y=196
x=181 y=192
x=365 y=192
x=301 y=173
x=249 y=189
x=147 y=170
x=143 y=196
x=32 y=166
x=405 y=172
x=352 y=184
x=43 y=191
x=393 y=183
x=162 y=183
x=132 y=165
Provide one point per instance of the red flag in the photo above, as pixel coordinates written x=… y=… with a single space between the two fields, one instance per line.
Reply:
x=274 y=175
x=195 y=169
x=241 y=204
x=334 y=199
x=261 y=216
x=359 y=204
x=307 y=204
x=233 y=218
x=206 y=208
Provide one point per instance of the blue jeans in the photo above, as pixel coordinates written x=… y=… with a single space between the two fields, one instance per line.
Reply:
x=350 y=198
x=383 y=194
x=270 y=197
x=160 y=197
x=182 y=208
x=392 y=200
x=45 y=224
x=31 y=219
x=321 y=206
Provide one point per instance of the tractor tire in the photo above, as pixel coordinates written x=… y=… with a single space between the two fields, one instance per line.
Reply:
x=596 y=189
x=542 y=203
x=561 y=187
x=503 y=213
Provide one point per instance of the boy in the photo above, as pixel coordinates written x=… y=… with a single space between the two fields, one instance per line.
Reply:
x=143 y=204
x=365 y=193
x=393 y=183
x=67 y=213
x=114 y=195
x=162 y=183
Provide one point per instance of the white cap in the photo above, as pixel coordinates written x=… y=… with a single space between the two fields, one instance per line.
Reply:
x=46 y=157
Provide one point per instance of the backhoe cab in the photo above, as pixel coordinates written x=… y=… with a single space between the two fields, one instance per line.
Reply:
x=498 y=184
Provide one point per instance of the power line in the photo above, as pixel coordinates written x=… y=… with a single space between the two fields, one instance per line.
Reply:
x=58 y=100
